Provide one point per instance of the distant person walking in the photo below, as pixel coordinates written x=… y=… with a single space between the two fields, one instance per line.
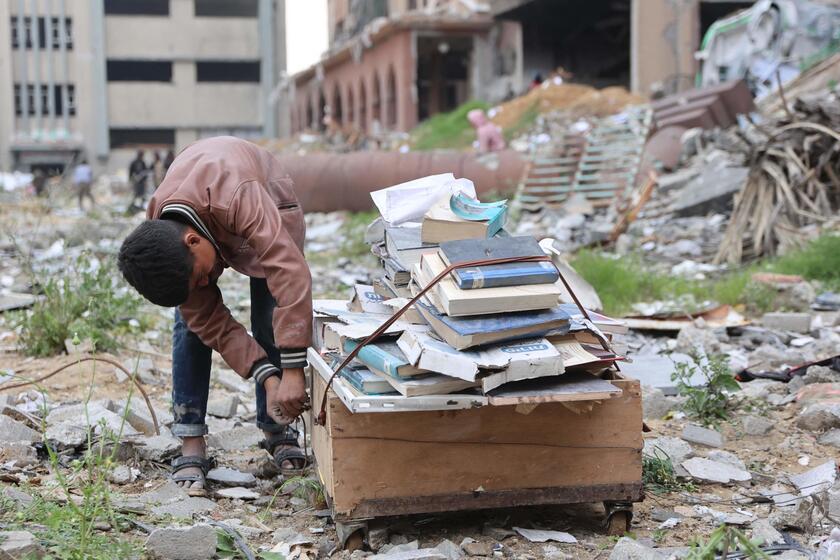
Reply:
x=82 y=180
x=138 y=172
x=39 y=181
x=158 y=171
x=167 y=161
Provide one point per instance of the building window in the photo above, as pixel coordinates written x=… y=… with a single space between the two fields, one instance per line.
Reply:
x=44 y=94
x=30 y=99
x=137 y=7
x=37 y=33
x=227 y=72
x=226 y=8
x=139 y=71
x=130 y=137
x=18 y=101
x=71 y=100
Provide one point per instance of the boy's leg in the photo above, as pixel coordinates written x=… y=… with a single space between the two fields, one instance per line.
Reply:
x=190 y=387
x=262 y=309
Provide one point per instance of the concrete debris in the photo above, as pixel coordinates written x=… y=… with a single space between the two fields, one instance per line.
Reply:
x=18 y=545
x=123 y=474
x=815 y=480
x=231 y=477
x=12 y=430
x=231 y=381
x=185 y=508
x=675 y=449
x=655 y=404
x=67 y=435
x=478 y=549
x=756 y=425
x=157 y=448
x=765 y=533
x=538 y=535
x=831 y=437
x=712 y=471
x=419 y=554
x=702 y=436
x=15 y=495
x=449 y=550
x=726 y=458
x=794 y=322
x=711 y=192
x=223 y=407
x=821 y=374
x=192 y=543
x=629 y=549
x=18 y=453
x=819 y=417
x=236 y=439
x=237 y=493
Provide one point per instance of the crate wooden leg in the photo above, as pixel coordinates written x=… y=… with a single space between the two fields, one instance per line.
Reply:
x=618 y=517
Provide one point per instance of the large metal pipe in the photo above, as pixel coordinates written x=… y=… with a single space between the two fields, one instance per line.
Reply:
x=328 y=182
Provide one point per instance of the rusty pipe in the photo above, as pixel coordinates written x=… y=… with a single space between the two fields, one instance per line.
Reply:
x=326 y=182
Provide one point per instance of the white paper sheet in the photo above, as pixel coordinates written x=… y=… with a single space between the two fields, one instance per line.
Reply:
x=409 y=201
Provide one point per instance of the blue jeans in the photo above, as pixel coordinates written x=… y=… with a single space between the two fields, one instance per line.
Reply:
x=191 y=368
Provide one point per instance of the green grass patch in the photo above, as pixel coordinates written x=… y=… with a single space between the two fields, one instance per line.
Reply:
x=450 y=130
x=621 y=282
x=819 y=260
x=523 y=124
x=86 y=303
x=353 y=244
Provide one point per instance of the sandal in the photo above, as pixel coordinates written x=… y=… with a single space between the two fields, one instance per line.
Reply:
x=190 y=461
x=291 y=452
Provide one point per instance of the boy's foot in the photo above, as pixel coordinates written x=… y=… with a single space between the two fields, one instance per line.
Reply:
x=190 y=469
x=286 y=452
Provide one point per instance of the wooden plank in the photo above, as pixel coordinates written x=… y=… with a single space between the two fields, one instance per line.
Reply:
x=493 y=448
x=321 y=444
x=379 y=507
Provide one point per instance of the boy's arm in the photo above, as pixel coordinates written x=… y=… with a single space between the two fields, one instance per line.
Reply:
x=253 y=215
x=207 y=316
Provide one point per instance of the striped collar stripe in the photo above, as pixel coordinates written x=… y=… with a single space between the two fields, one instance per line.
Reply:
x=190 y=214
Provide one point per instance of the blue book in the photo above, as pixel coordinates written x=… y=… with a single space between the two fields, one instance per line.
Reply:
x=385 y=357
x=467 y=208
x=467 y=332
x=497 y=275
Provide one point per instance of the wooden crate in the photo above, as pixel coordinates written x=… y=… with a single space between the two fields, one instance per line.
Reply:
x=382 y=464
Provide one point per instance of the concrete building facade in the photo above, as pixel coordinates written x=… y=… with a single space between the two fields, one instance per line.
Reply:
x=128 y=74
x=393 y=63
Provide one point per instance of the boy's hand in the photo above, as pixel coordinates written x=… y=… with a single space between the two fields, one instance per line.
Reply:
x=286 y=397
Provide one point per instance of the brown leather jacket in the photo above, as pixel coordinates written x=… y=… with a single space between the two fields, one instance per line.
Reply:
x=237 y=196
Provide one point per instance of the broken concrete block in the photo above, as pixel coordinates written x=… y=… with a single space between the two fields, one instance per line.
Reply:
x=185 y=508
x=712 y=471
x=628 y=549
x=763 y=531
x=237 y=493
x=66 y=435
x=377 y=538
x=236 y=439
x=756 y=425
x=93 y=414
x=702 y=436
x=137 y=414
x=726 y=457
x=157 y=448
x=815 y=480
x=19 y=544
x=21 y=453
x=795 y=322
x=449 y=550
x=711 y=191
x=121 y=474
x=192 y=543
x=831 y=437
x=12 y=430
x=223 y=407
x=655 y=404
x=478 y=549
x=819 y=417
x=21 y=498
x=535 y=535
x=821 y=374
x=231 y=381
x=231 y=477
x=419 y=554
x=675 y=449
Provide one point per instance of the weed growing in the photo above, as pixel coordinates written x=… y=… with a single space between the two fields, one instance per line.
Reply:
x=89 y=302
x=819 y=260
x=447 y=130
x=305 y=488
x=85 y=523
x=723 y=542
x=658 y=474
x=708 y=404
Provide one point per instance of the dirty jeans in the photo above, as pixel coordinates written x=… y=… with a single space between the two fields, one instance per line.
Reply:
x=191 y=369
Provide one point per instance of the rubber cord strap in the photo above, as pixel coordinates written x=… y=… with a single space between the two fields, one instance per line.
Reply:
x=322 y=414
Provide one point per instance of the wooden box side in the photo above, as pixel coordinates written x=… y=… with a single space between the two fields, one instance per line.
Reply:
x=496 y=449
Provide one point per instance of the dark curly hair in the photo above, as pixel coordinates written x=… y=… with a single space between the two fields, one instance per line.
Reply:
x=157 y=263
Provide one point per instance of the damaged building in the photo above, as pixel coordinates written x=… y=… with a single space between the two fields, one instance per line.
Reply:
x=392 y=63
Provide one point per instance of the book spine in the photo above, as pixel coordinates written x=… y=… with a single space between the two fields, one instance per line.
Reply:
x=374 y=357
x=476 y=278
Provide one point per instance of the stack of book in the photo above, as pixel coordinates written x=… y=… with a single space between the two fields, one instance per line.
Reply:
x=496 y=331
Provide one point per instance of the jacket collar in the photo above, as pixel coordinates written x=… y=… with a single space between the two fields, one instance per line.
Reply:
x=184 y=211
